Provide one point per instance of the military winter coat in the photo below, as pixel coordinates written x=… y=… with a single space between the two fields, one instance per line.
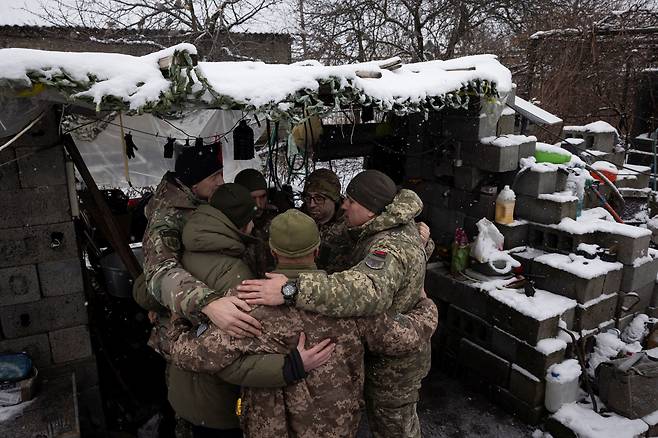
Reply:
x=258 y=255
x=328 y=402
x=387 y=276
x=336 y=243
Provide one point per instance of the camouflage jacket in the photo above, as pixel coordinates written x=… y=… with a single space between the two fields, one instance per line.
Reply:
x=328 y=402
x=388 y=276
x=166 y=279
x=258 y=255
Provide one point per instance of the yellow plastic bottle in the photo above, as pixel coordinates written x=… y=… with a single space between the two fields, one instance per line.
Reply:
x=505 y=206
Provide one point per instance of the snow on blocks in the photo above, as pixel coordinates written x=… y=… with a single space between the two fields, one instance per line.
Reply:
x=499 y=154
x=600 y=136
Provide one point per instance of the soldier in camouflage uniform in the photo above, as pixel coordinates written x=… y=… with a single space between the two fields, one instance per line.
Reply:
x=327 y=403
x=322 y=202
x=198 y=173
x=258 y=255
x=387 y=276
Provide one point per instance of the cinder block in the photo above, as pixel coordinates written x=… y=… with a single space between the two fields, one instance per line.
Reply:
x=44 y=315
x=612 y=282
x=70 y=344
x=522 y=326
x=42 y=243
x=652 y=312
x=515 y=234
x=628 y=249
x=550 y=239
x=561 y=180
x=545 y=211
x=590 y=315
x=603 y=141
x=37 y=346
x=635 y=277
x=86 y=372
x=483 y=206
x=491 y=158
x=505 y=124
x=532 y=183
x=527 y=413
x=526 y=356
x=526 y=386
x=61 y=277
x=35 y=206
x=469 y=326
x=19 y=284
x=567 y=284
x=441 y=285
x=644 y=293
x=467 y=177
x=41 y=167
x=527 y=149
x=8 y=171
x=491 y=367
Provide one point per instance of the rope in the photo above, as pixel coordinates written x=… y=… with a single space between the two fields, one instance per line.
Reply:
x=20 y=134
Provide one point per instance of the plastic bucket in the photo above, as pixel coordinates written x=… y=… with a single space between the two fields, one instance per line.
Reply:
x=118 y=281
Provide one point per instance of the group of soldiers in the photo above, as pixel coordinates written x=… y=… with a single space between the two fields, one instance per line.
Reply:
x=287 y=324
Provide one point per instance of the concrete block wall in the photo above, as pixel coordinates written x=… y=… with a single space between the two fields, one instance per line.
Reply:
x=43 y=309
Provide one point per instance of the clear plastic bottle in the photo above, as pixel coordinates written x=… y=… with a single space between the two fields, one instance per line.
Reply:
x=505 y=206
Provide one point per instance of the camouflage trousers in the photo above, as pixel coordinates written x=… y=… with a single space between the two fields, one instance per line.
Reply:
x=183 y=428
x=393 y=422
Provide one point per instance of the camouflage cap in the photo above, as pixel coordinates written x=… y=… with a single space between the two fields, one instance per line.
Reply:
x=294 y=234
x=251 y=179
x=325 y=182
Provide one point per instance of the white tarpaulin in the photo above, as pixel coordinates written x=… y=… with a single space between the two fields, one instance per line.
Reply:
x=105 y=159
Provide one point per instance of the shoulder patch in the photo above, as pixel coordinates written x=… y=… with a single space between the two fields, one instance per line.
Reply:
x=171 y=239
x=376 y=259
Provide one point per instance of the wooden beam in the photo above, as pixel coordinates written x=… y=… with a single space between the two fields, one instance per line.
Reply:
x=116 y=236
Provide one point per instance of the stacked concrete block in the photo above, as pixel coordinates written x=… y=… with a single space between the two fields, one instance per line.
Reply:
x=498 y=154
x=633 y=176
x=546 y=208
x=43 y=309
x=600 y=141
x=506 y=122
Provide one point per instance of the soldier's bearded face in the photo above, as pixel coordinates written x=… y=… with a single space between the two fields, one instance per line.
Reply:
x=319 y=207
x=207 y=186
x=260 y=198
x=355 y=213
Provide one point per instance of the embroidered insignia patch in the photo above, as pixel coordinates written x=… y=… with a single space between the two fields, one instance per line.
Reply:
x=376 y=259
x=171 y=239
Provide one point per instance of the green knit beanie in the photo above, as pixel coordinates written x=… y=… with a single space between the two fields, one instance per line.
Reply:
x=372 y=189
x=325 y=182
x=235 y=202
x=294 y=234
x=251 y=179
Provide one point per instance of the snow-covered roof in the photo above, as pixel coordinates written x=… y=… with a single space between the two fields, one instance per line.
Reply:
x=137 y=84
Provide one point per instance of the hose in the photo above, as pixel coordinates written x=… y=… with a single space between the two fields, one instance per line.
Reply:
x=605 y=179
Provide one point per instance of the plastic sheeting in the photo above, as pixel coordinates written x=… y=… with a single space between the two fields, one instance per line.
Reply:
x=104 y=154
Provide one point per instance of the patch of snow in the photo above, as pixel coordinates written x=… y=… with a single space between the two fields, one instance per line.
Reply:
x=8 y=413
x=545 y=147
x=598 y=220
x=636 y=330
x=525 y=372
x=595 y=127
x=609 y=346
x=550 y=345
x=597 y=300
x=535 y=114
x=604 y=165
x=586 y=423
x=566 y=371
x=560 y=197
x=593 y=153
x=643 y=260
x=589 y=248
x=632 y=169
x=574 y=141
x=651 y=419
x=508 y=140
x=531 y=164
x=541 y=306
x=579 y=265
x=508 y=111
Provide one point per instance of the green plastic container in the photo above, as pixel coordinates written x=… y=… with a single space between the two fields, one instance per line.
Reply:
x=551 y=157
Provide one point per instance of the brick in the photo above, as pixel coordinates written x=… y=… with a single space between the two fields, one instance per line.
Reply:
x=523 y=327
x=532 y=183
x=468 y=177
x=635 y=277
x=70 y=344
x=42 y=168
x=441 y=285
x=491 y=158
x=527 y=413
x=37 y=346
x=85 y=370
x=8 y=172
x=567 y=284
x=526 y=386
x=544 y=211
x=61 y=277
x=628 y=249
x=44 y=315
x=589 y=316
x=19 y=284
x=491 y=367
x=515 y=234
x=523 y=354
x=36 y=244
x=36 y=206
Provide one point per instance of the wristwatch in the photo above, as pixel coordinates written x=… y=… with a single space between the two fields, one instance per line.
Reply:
x=289 y=292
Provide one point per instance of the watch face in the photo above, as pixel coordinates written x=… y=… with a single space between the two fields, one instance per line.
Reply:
x=289 y=290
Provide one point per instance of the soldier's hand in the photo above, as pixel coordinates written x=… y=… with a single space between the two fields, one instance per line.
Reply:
x=153 y=317
x=228 y=313
x=263 y=292
x=315 y=356
x=424 y=232
x=423 y=294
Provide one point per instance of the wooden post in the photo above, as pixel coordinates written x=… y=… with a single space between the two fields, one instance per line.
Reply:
x=116 y=236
